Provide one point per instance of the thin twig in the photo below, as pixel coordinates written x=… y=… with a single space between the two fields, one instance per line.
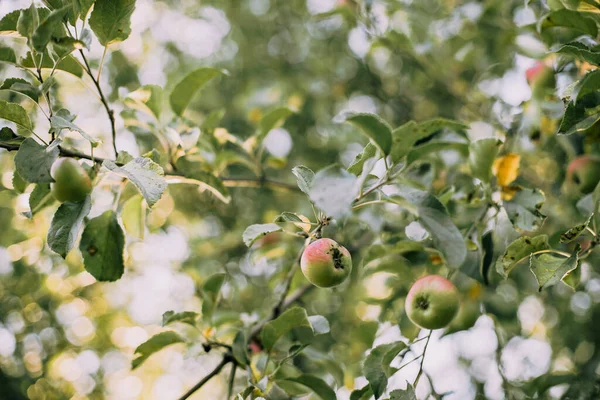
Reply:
x=231 y=380
x=109 y=111
x=422 y=360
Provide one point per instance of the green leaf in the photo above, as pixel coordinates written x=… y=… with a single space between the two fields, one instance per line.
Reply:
x=195 y=175
x=28 y=21
x=572 y=20
x=580 y=116
x=407 y=394
x=67 y=44
x=186 y=317
x=210 y=293
x=256 y=231
x=134 y=216
x=273 y=119
x=33 y=161
x=482 y=154
x=8 y=55
x=67 y=64
x=15 y=113
x=356 y=167
x=111 y=20
x=319 y=324
x=19 y=184
x=364 y=393
x=549 y=269
x=586 y=85
x=66 y=225
x=575 y=231
x=47 y=28
x=154 y=344
x=524 y=209
x=580 y=51
x=316 y=385
x=147 y=99
x=518 y=251
x=334 y=190
x=304 y=177
x=376 y=367
x=435 y=219
x=373 y=127
x=102 y=244
x=185 y=90
x=8 y=23
x=434 y=146
x=57 y=123
x=80 y=9
x=40 y=197
x=145 y=174
x=240 y=348
x=7 y=136
x=294 y=317
x=288 y=217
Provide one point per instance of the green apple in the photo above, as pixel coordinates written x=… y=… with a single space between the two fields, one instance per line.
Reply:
x=325 y=263
x=432 y=302
x=583 y=173
x=71 y=182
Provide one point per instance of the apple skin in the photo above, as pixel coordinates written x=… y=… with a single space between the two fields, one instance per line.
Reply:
x=584 y=173
x=432 y=302
x=325 y=263
x=540 y=78
x=71 y=182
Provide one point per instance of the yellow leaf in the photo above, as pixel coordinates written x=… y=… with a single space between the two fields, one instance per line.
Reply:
x=304 y=227
x=506 y=168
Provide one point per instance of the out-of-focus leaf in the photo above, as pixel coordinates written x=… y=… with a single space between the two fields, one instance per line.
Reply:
x=334 y=190
x=210 y=293
x=518 y=251
x=482 y=154
x=185 y=90
x=102 y=244
x=147 y=99
x=240 y=348
x=134 y=216
x=154 y=344
x=549 y=269
x=316 y=385
x=294 y=317
x=66 y=225
x=186 y=317
x=40 y=197
x=272 y=120
x=434 y=146
x=256 y=231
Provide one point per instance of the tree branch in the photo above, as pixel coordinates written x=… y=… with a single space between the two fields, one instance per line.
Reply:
x=422 y=360
x=227 y=181
x=109 y=111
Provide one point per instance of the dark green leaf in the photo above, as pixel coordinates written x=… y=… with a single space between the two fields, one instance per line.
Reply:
x=572 y=20
x=407 y=394
x=40 y=197
x=47 y=28
x=66 y=225
x=33 y=161
x=154 y=344
x=434 y=146
x=257 y=231
x=102 y=244
x=581 y=51
x=518 y=251
x=316 y=385
x=111 y=20
x=373 y=127
x=204 y=180
x=210 y=293
x=67 y=64
x=376 y=367
x=294 y=317
x=8 y=55
x=28 y=21
x=364 y=393
x=15 y=113
x=8 y=23
x=240 y=348
x=549 y=269
x=580 y=116
x=185 y=90
x=586 y=85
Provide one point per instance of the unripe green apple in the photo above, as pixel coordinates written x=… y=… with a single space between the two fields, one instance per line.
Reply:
x=432 y=302
x=325 y=263
x=584 y=173
x=71 y=182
